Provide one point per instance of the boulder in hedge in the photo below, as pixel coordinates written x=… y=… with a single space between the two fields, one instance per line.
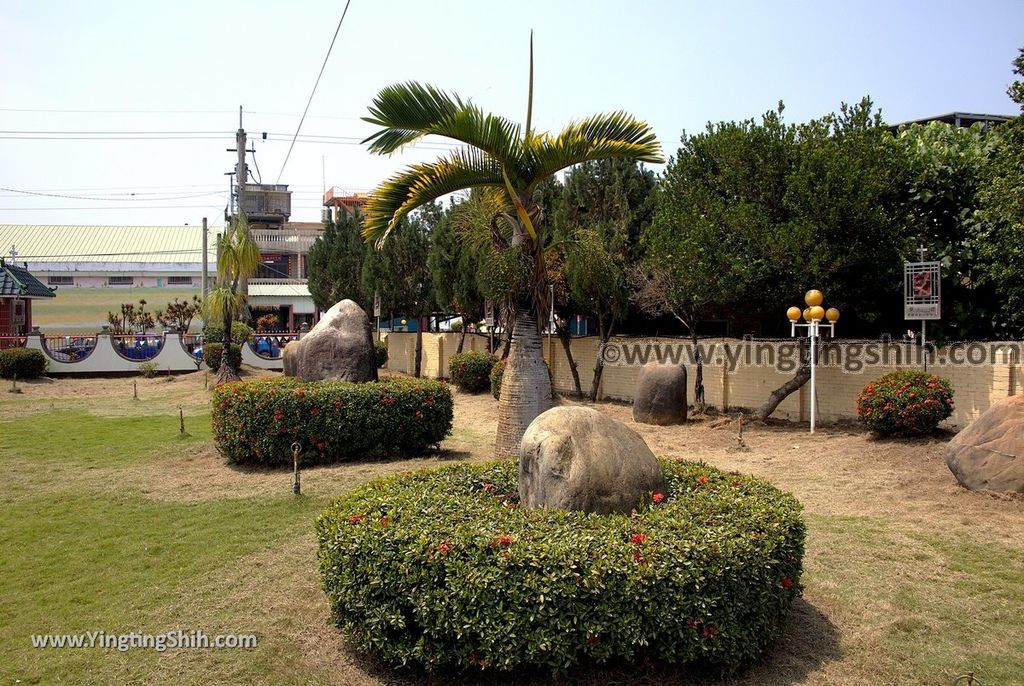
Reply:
x=575 y=458
x=989 y=454
x=338 y=348
x=288 y=355
x=660 y=395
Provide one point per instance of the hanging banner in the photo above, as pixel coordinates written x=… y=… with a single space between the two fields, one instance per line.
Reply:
x=922 y=297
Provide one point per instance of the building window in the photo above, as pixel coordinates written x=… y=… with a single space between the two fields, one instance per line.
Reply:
x=179 y=280
x=120 y=280
x=60 y=280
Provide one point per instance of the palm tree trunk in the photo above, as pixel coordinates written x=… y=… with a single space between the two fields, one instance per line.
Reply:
x=525 y=386
x=227 y=372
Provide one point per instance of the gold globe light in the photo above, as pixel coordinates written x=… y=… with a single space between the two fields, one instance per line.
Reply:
x=832 y=314
x=403 y=322
x=813 y=297
x=817 y=312
x=793 y=314
x=807 y=314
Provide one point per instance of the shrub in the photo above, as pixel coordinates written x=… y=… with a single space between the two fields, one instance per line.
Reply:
x=213 y=352
x=905 y=403
x=442 y=569
x=25 y=363
x=255 y=422
x=214 y=332
x=380 y=352
x=498 y=371
x=470 y=371
x=148 y=369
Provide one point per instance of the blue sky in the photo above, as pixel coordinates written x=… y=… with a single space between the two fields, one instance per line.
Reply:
x=187 y=66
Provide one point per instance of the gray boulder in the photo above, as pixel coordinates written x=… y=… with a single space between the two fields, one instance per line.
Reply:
x=660 y=395
x=576 y=458
x=338 y=348
x=989 y=454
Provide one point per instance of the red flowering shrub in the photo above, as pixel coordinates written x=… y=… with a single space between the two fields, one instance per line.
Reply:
x=465 y=579
x=471 y=371
x=905 y=403
x=256 y=422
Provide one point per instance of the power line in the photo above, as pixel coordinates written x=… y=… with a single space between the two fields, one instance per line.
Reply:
x=309 y=102
x=85 y=197
x=113 y=207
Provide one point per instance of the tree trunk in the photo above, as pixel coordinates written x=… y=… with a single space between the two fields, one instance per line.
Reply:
x=698 y=382
x=227 y=372
x=604 y=333
x=566 y=339
x=462 y=337
x=419 y=348
x=525 y=386
x=803 y=374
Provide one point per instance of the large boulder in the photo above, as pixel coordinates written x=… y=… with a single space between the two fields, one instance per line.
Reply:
x=660 y=395
x=338 y=348
x=989 y=454
x=575 y=458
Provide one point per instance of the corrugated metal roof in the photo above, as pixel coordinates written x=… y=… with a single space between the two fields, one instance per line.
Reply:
x=283 y=290
x=106 y=244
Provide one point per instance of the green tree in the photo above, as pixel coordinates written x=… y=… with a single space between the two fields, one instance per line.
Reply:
x=454 y=264
x=400 y=275
x=335 y=262
x=238 y=260
x=1002 y=216
x=605 y=207
x=512 y=161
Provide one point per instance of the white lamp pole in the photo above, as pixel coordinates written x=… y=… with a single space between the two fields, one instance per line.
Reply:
x=813 y=315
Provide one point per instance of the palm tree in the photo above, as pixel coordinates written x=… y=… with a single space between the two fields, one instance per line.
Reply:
x=238 y=259
x=510 y=162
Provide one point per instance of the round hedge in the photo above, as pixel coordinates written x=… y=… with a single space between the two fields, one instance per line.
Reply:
x=24 y=363
x=443 y=570
x=256 y=422
x=470 y=371
x=905 y=403
x=380 y=353
x=213 y=354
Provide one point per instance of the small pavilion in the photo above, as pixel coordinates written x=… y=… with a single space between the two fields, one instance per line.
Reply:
x=18 y=288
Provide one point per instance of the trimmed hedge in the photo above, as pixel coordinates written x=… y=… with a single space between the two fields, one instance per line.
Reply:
x=255 y=422
x=443 y=570
x=380 y=353
x=470 y=371
x=214 y=352
x=25 y=363
x=905 y=403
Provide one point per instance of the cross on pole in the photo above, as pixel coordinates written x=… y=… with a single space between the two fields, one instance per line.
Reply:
x=921 y=250
x=14 y=253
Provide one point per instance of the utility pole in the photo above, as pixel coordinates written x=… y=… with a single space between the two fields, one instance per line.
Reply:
x=921 y=250
x=206 y=261
x=241 y=175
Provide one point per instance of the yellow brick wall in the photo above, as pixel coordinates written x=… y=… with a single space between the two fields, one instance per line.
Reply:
x=745 y=387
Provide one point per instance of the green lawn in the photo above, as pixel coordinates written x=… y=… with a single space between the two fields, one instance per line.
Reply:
x=112 y=520
x=84 y=310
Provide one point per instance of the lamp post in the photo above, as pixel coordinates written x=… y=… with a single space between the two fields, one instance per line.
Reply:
x=812 y=315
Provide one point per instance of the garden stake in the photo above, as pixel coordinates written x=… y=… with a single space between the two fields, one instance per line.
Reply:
x=135 y=390
x=181 y=419
x=296 y=485
x=206 y=380
x=14 y=385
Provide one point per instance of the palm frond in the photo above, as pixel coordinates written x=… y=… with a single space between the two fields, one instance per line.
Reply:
x=422 y=183
x=408 y=111
x=601 y=136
